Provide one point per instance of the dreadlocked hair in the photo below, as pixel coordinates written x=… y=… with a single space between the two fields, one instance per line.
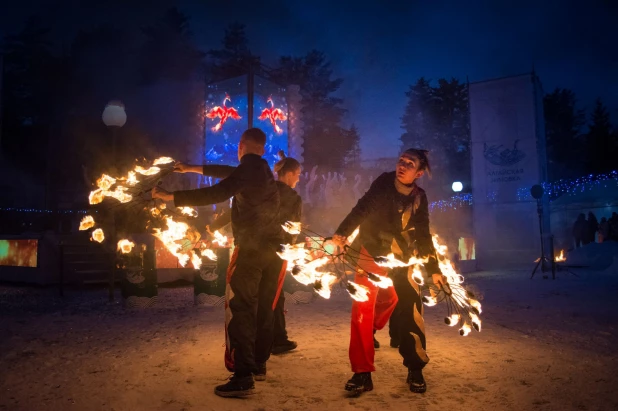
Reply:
x=286 y=165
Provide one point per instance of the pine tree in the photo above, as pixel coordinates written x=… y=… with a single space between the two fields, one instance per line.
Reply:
x=600 y=142
x=353 y=157
x=326 y=142
x=563 y=124
x=235 y=58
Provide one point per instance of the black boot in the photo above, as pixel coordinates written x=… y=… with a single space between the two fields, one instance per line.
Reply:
x=416 y=381
x=237 y=386
x=376 y=343
x=260 y=372
x=395 y=343
x=283 y=347
x=360 y=382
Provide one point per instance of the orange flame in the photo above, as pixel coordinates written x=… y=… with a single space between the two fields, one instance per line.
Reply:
x=98 y=236
x=86 y=223
x=125 y=246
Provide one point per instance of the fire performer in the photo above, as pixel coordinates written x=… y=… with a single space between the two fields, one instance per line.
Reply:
x=288 y=174
x=394 y=218
x=254 y=270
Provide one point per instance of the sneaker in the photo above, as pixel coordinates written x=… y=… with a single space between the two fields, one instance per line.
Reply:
x=416 y=381
x=376 y=343
x=395 y=343
x=360 y=382
x=260 y=373
x=237 y=386
x=284 y=347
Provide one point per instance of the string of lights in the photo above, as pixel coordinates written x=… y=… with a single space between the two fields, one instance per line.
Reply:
x=456 y=201
x=39 y=211
x=572 y=186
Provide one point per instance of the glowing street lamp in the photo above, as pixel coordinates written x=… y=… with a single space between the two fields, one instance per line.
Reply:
x=457 y=186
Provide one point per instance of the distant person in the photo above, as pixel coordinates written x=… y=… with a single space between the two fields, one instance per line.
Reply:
x=603 y=230
x=579 y=230
x=593 y=227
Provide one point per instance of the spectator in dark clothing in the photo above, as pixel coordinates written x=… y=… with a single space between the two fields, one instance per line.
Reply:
x=613 y=227
x=254 y=269
x=603 y=230
x=580 y=229
x=593 y=227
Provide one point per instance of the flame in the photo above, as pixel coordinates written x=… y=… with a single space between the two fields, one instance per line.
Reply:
x=132 y=178
x=453 y=320
x=324 y=284
x=476 y=322
x=560 y=258
x=147 y=171
x=190 y=211
x=162 y=160
x=390 y=261
x=429 y=300
x=97 y=196
x=465 y=330
x=417 y=275
x=125 y=246
x=196 y=260
x=98 y=236
x=220 y=239
x=86 y=223
x=105 y=182
x=177 y=238
x=380 y=280
x=208 y=253
x=352 y=236
x=358 y=292
x=292 y=227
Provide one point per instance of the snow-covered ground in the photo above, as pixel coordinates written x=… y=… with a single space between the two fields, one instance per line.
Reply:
x=545 y=344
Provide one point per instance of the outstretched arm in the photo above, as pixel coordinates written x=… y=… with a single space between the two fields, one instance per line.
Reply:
x=365 y=206
x=216 y=171
x=217 y=193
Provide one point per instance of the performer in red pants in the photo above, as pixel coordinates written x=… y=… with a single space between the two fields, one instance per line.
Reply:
x=393 y=217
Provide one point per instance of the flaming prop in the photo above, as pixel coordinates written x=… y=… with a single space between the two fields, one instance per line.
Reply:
x=86 y=223
x=169 y=226
x=463 y=309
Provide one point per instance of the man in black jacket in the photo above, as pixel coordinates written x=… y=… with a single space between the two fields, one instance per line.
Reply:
x=254 y=267
x=394 y=218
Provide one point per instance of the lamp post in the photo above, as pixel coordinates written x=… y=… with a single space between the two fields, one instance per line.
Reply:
x=113 y=117
x=457 y=186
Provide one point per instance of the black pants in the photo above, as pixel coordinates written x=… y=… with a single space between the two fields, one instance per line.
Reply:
x=406 y=323
x=252 y=285
x=280 y=333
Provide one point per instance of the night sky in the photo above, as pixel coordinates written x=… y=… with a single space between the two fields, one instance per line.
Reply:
x=380 y=49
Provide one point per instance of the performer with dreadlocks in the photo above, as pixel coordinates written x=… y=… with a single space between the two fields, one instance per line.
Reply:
x=393 y=217
x=255 y=267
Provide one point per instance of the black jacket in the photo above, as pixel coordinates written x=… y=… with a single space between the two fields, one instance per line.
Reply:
x=392 y=222
x=255 y=206
x=291 y=209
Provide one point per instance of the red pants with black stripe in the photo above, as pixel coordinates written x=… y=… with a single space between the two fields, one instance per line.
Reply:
x=370 y=315
x=401 y=303
x=253 y=282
